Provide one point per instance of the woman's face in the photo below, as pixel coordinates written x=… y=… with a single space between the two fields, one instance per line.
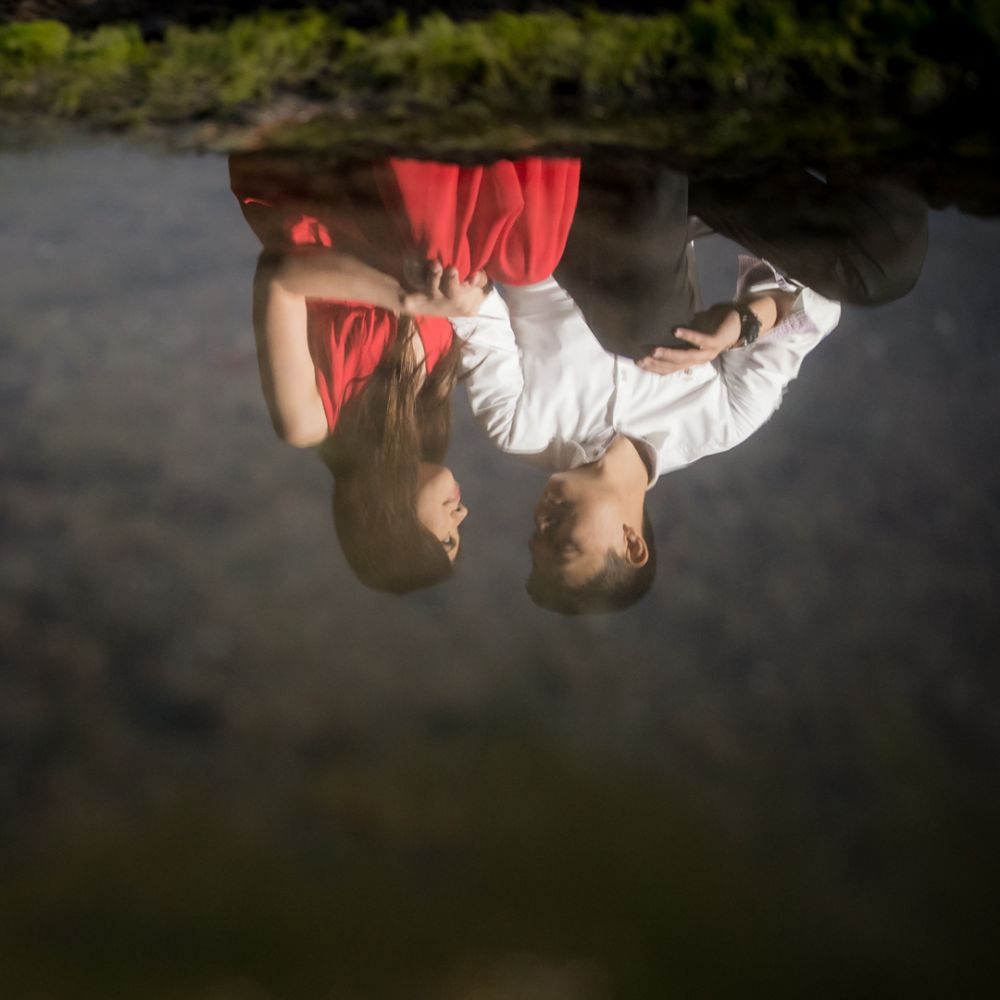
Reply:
x=439 y=505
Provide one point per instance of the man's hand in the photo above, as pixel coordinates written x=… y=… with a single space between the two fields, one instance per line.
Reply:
x=711 y=332
x=440 y=293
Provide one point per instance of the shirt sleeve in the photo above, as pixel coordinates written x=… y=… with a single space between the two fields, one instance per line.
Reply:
x=491 y=360
x=755 y=377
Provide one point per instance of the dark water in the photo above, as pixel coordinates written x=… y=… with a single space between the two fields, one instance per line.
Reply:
x=227 y=770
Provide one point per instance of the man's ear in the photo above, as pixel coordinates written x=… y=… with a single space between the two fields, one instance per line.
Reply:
x=636 y=550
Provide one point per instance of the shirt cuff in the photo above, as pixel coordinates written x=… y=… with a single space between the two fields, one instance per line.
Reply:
x=756 y=276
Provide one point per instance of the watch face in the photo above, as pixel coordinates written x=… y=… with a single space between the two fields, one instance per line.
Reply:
x=749 y=325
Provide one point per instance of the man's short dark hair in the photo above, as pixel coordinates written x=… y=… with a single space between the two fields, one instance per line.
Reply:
x=616 y=586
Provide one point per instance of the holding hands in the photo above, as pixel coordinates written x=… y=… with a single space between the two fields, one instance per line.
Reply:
x=439 y=292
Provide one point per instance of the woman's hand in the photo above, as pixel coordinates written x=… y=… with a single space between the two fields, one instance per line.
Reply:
x=319 y=273
x=440 y=293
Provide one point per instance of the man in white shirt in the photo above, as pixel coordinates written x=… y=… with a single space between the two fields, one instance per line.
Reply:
x=543 y=388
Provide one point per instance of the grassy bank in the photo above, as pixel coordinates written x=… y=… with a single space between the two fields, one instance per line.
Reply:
x=742 y=73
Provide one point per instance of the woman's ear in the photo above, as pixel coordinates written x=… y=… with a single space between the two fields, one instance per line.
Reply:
x=636 y=550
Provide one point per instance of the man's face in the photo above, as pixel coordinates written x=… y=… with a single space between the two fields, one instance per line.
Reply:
x=576 y=524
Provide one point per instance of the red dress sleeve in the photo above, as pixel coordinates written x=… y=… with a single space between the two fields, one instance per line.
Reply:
x=510 y=219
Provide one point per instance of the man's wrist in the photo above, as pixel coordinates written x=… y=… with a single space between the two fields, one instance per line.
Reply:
x=750 y=325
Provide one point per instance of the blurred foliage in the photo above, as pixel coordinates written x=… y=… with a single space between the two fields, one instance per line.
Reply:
x=909 y=58
x=204 y=72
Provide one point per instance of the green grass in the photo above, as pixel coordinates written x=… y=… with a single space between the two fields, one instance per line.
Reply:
x=908 y=60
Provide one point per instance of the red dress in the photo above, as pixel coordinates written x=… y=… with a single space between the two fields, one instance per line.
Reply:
x=509 y=219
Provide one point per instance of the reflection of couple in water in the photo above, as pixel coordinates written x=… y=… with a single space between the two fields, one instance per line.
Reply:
x=367 y=273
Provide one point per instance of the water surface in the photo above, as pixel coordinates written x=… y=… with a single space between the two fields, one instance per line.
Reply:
x=229 y=770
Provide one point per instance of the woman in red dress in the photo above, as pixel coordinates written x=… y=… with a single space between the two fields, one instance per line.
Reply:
x=361 y=268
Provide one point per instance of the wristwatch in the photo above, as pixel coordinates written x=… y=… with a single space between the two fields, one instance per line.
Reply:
x=749 y=325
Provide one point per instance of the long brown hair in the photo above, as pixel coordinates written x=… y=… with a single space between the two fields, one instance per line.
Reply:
x=382 y=435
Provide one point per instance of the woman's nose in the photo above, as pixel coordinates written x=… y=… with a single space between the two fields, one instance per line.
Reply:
x=461 y=513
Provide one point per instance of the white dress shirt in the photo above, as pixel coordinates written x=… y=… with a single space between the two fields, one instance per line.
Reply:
x=542 y=387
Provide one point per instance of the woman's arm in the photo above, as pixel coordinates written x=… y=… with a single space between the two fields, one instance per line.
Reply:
x=282 y=284
x=326 y=274
x=287 y=374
